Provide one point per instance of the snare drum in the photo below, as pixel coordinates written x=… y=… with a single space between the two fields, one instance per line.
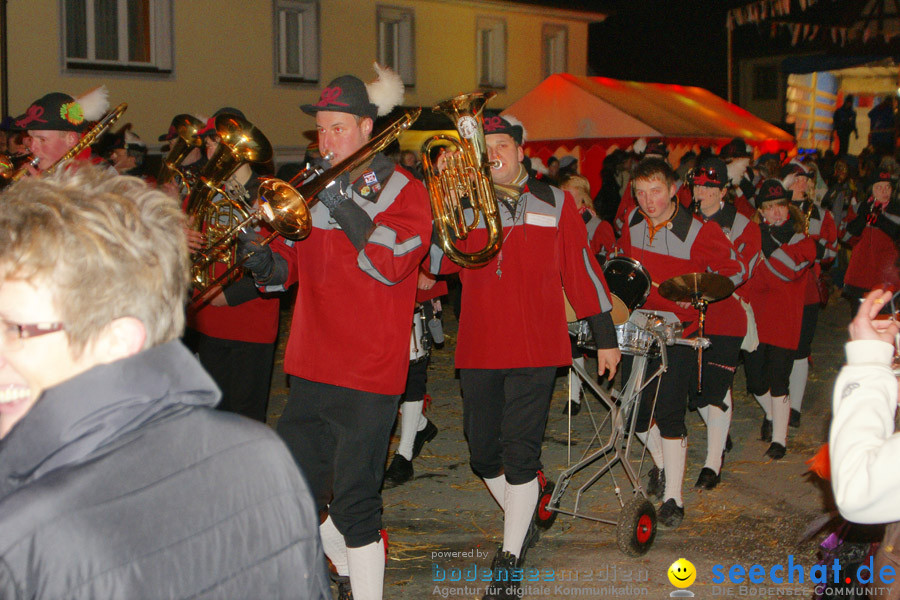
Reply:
x=629 y=284
x=419 y=346
x=636 y=340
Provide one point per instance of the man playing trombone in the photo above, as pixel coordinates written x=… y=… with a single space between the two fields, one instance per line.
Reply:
x=348 y=351
x=55 y=123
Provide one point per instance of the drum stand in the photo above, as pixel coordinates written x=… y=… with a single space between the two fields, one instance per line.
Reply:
x=637 y=521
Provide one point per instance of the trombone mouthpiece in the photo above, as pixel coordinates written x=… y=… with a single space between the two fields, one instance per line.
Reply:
x=328 y=156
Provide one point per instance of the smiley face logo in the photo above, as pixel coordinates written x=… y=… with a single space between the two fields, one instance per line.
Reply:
x=682 y=573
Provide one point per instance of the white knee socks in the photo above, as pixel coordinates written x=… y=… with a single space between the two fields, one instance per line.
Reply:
x=412 y=421
x=575 y=384
x=652 y=440
x=799 y=375
x=520 y=503
x=674 y=456
x=766 y=402
x=717 y=424
x=367 y=571
x=497 y=487
x=781 y=414
x=334 y=546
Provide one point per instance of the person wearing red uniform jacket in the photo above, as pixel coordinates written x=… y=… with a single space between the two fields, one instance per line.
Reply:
x=668 y=240
x=233 y=334
x=820 y=226
x=726 y=320
x=513 y=335
x=356 y=274
x=872 y=229
x=776 y=292
x=55 y=123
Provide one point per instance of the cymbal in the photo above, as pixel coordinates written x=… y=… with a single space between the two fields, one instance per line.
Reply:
x=696 y=286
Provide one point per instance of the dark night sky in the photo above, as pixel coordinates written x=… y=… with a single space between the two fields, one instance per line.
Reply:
x=667 y=41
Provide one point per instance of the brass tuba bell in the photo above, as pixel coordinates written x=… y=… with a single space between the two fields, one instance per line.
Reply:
x=187 y=137
x=466 y=178
x=211 y=209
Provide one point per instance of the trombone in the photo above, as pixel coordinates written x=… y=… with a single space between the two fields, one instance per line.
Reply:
x=287 y=209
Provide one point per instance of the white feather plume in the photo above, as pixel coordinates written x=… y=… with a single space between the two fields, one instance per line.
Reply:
x=639 y=146
x=515 y=121
x=386 y=91
x=94 y=103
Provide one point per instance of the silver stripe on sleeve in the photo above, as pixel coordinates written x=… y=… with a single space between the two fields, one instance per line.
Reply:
x=366 y=265
x=387 y=237
x=605 y=304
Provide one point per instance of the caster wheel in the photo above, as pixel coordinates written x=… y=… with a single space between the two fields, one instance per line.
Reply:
x=636 y=529
x=543 y=516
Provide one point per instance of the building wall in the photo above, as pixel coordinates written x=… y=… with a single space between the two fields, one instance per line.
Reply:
x=224 y=53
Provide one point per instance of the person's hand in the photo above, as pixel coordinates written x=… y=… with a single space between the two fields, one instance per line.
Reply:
x=426 y=280
x=195 y=240
x=259 y=259
x=864 y=325
x=608 y=360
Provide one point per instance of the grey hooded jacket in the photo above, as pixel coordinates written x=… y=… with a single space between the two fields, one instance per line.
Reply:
x=124 y=482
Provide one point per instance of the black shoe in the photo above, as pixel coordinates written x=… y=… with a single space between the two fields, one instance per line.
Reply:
x=670 y=514
x=765 y=432
x=426 y=435
x=708 y=479
x=776 y=451
x=343 y=587
x=576 y=408
x=794 y=421
x=656 y=482
x=502 y=587
x=400 y=471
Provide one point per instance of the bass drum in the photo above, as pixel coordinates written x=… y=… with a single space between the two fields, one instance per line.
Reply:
x=629 y=285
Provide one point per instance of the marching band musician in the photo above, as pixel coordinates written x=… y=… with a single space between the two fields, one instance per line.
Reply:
x=669 y=241
x=872 y=230
x=55 y=122
x=234 y=333
x=776 y=292
x=726 y=320
x=356 y=274
x=819 y=225
x=507 y=373
x=415 y=428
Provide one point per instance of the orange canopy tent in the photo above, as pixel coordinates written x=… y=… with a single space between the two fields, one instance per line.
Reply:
x=588 y=116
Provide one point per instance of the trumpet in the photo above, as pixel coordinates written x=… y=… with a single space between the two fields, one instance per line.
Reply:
x=12 y=170
x=287 y=209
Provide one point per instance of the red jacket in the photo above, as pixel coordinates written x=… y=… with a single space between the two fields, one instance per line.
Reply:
x=687 y=246
x=352 y=316
x=513 y=314
x=776 y=290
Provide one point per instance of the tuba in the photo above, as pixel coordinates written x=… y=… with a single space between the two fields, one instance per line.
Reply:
x=465 y=181
x=212 y=209
x=187 y=129
x=287 y=209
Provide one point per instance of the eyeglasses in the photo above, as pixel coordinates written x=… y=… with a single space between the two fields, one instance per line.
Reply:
x=14 y=333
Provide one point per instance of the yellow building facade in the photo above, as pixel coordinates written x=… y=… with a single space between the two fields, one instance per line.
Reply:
x=267 y=57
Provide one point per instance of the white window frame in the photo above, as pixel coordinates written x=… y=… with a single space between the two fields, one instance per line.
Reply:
x=490 y=44
x=308 y=36
x=555 y=48
x=161 y=40
x=400 y=21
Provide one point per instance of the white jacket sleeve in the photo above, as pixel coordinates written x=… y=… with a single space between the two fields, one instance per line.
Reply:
x=865 y=451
